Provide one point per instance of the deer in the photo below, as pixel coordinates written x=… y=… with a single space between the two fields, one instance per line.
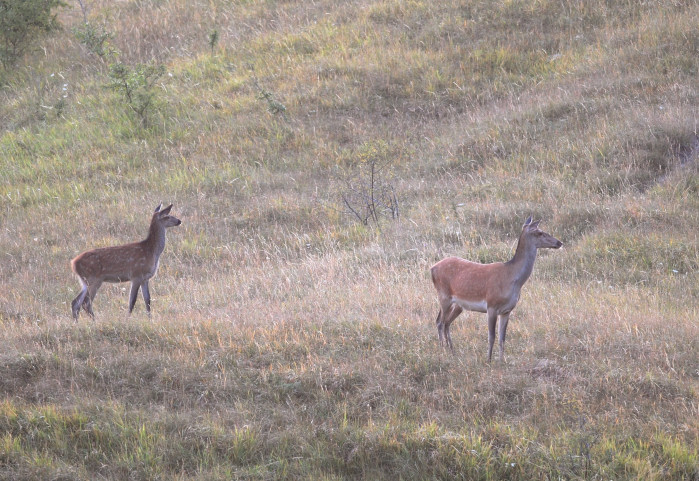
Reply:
x=492 y=289
x=136 y=262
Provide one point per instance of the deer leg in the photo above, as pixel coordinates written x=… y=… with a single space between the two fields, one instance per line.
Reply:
x=453 y=314
x=504 y=319
x=146 y=296
x=135 y=285
x=78 y=301
x=492 y=320
x=91 y=292
x=440 y=327
x=444 y=311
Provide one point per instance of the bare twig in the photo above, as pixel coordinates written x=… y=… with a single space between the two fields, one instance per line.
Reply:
x=367 y=196
x=83 y=8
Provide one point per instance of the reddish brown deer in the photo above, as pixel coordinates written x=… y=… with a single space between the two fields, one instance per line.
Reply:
x=488 y=288
x=136 y=262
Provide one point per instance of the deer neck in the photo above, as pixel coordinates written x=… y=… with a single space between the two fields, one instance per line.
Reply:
x=155 y=240
x=522 y=263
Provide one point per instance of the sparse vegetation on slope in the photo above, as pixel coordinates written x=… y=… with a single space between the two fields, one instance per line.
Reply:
x=289 y=340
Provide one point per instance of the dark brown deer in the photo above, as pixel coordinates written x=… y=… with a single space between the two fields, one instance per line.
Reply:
x=489 y=288
x=136 y=262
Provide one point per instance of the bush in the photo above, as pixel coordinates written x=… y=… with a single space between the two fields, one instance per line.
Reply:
x=21 y=22
x=95 y=39
x=137 y=85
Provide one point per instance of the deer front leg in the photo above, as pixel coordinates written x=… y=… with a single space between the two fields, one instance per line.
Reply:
x=135 y=285
x=146 y=296
x=504 y=319
x=492 y=320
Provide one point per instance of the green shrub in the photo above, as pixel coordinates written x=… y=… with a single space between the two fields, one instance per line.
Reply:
x=20 y=24
x=94 y=38
x=137 y=85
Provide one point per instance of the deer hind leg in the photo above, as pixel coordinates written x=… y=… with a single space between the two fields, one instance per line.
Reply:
x=444 y=308
x=91 y=292
x=452 y=314
x=444 y=311
x=135 y=285
x=79 y=299
x=440 y=327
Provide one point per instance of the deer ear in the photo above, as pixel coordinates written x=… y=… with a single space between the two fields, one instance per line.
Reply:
x=157 y=209
x=166 y=210
x=528 y=221
x=535 y=224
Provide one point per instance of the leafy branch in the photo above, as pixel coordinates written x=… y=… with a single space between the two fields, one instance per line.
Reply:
x=273 y=105
x=137 y=85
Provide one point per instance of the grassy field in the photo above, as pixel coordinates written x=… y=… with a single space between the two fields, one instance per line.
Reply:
x=290 y=341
